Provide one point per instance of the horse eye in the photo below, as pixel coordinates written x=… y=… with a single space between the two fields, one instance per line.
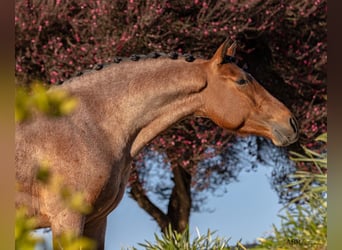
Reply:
x=241 y=81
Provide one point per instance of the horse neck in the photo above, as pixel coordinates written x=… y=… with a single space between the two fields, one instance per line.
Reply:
x=138 y=100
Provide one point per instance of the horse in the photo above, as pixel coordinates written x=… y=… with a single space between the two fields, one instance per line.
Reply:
x=121 y=108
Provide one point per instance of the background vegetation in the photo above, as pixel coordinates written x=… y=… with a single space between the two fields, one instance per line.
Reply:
x=282 y=43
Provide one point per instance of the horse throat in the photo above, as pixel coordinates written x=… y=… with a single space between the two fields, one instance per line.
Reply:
x=168 y=115
x=173 y=97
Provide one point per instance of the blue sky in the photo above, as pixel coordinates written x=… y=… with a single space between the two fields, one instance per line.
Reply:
x=247 y=211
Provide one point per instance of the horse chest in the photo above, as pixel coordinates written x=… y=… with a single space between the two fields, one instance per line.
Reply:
x=112 y=191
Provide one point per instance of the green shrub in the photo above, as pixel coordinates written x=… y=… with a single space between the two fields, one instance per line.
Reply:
x=172 y=240
x=304 y=224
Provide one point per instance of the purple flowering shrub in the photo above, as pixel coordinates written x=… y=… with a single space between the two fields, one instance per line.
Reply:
x=283 y=43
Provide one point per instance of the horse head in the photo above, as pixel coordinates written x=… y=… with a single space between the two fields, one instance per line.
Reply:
x=234 y=100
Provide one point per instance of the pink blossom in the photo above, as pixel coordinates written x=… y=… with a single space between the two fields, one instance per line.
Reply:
x=53 y=73
x=18 y=68
x=53 y=80
x=185 y=162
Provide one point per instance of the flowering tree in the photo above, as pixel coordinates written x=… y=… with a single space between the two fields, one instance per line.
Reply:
x=282 y=43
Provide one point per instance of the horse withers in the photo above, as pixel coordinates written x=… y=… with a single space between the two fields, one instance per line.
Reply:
x=121 y=108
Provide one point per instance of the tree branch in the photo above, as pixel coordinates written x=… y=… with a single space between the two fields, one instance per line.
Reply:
x=137 y=192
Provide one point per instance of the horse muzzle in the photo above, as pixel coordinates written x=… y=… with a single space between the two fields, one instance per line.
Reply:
x=285 y=135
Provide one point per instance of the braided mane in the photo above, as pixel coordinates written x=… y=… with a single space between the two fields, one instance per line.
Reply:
x=134 y=58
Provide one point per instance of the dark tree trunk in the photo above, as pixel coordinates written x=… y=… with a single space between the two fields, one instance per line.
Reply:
x=179 y=206
x=180 y=199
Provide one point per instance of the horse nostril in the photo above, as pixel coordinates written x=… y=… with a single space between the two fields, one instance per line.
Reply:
x=294 y=125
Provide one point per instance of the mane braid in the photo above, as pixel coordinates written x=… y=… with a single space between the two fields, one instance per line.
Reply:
x=134 y=57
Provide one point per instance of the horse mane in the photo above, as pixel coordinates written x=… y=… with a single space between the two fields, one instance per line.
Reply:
x=134 y=58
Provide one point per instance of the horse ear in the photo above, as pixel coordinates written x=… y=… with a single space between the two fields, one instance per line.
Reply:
x=231 y=50
x=227 y=48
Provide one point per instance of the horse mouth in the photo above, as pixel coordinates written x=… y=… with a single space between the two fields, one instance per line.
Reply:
x=282 y=139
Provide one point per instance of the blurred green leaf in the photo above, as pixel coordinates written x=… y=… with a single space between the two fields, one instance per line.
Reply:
x=52 y=103
x=70 y=241
x=24 y=240
x=43 y=174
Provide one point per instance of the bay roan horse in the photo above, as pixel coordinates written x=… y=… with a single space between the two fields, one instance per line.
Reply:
x=120 y=109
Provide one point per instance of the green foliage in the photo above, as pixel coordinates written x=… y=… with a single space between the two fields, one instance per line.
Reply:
x=23 y=227
x=172 y=240
x=52 y=103
x=75 y=200
x=304 y=226
x=43 y=174
x=55 y=104
x=69 y=241
x=25 y=240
